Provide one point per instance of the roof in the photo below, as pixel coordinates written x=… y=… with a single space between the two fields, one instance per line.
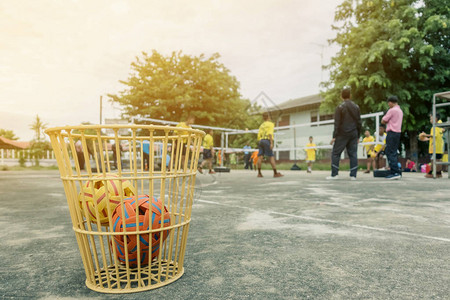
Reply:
x=10 y=144
x=308 y=101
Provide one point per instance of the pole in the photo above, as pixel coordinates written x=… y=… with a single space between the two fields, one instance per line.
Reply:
x=434 y=136
x=222 y=137
x=295 y=146
x=377 y=127
x=294 y=166
x=101 y=109
x=275 y=151
x=226 y=141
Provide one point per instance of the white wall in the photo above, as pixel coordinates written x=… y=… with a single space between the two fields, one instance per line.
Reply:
x=322 y=135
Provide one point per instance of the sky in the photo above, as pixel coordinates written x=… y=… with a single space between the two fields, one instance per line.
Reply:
x=58 y=57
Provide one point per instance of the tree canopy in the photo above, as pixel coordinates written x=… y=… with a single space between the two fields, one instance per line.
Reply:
x=38 y=144
x=391 y=47
x=38 y=127
x=175 y=86
x=9 y=134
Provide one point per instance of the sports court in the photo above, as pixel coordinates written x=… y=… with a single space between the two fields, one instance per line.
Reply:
x=296 y=237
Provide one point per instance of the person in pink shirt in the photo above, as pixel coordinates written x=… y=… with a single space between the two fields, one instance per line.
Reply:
x=393 y=119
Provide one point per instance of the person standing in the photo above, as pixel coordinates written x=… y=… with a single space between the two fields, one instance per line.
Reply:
x=80 y=155
x=310 y=154
x=347 y=129
x=368 y=149
x=393 y=120
x=265 y=144
x=146 y=154
x=208 y=152
x=219 y=157
x=247 y=155
x=439 y=145
x=254 y=159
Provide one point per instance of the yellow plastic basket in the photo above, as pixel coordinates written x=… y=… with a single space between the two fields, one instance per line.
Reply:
x=130 y=190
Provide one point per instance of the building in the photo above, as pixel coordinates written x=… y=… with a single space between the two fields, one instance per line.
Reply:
x=298 y=111
x=8 y=144
x=9 y=149
x=302 y=112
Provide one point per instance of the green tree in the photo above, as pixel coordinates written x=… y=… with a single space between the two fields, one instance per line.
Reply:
x=391 y=47
x=9 y=134
x=172 y=87
x=87 y=131
x=38 y=145
x=38 y=127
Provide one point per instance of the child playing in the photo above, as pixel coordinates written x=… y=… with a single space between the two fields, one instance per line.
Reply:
x=410 y=166
x=310 y=154
x=368 y=149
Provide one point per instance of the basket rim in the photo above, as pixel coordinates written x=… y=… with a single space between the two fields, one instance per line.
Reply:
x=66 y=128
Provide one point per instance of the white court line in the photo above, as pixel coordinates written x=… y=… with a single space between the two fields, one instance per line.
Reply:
x=333 y=222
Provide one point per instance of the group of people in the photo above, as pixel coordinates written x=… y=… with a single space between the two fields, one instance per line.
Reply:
x=265 y=145
x=208 y=144
x=347 y=129
x=91 y=153
x=346 y=136
x=265 y=148
x=374 y=152
x=251 y=159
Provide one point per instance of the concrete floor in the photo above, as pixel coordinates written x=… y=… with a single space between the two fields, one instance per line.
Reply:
x=296 y=237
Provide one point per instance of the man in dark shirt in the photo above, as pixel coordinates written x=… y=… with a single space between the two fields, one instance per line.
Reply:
x=347 y=129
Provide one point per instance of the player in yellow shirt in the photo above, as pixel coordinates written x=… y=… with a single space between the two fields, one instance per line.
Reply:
x=310 y=154
x=378 y=150
x=368 y=149
x=439 y=146
x=187 y=124
x=265 y=144
x=208 y=152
